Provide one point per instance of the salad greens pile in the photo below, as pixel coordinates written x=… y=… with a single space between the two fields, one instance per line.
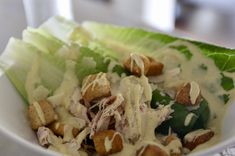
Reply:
x=91 y=47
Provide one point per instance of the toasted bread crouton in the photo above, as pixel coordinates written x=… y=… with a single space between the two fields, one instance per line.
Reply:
x=108 y=142
x=137 y=64
x=195 y=138
x=59 y=128
x=189 y=94
x=155 y=68
x=41 y=114
x=173 y=143
x=95 y=86
x=151 y=150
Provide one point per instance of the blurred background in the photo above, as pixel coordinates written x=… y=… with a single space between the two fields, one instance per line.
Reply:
x=206 y=20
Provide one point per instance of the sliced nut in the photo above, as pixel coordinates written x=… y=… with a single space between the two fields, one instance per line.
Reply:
x=195 y=138
x=189 y=94
x=151 y=150
x=41 y=114
x=173 y=143
x=58 y=128
x=136 y=63
x=108 y=142
x=95 y=86
x=155 y=67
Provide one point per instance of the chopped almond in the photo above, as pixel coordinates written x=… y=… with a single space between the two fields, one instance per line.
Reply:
x=95 y=86
x=155 y=67
x=136 y=63
x=195 y=138
x=108 y=142
x=189 y=94
x=59 y=129
x=41 y=114
x=151 y=150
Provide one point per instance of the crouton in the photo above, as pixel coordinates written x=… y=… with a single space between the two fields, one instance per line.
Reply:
x=137 y=64
x=195 y=138
x=173 y=143
x=151 y=150
x=41 y=114
x=95 y=86
x=108 y=142
x=58 y=129
x=189 y=94
x=155 y=68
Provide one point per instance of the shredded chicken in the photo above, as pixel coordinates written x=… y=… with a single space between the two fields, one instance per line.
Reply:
x=45 y=136
x=106 y=111
x=110 y=115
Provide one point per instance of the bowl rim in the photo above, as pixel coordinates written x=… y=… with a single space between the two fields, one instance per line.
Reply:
x=19 y=140
x=219 y=147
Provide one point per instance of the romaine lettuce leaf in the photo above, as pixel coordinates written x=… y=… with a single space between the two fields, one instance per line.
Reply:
x=123 y=40
x=126 y=40
x=60 y=28
x=42 y=40
x=18 y=59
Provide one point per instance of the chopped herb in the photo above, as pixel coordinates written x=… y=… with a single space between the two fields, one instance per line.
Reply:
x=225 y=98
x=203 y=66
x=120 y=70
x=227 y=82
x=184 y=50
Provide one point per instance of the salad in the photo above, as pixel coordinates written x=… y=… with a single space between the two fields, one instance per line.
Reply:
x=97 y=89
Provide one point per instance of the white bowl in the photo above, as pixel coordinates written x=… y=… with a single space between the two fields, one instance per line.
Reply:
x=17 y=138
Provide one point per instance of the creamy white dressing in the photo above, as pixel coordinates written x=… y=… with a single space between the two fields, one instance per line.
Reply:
x=114 y=79
x=99 y=80
x=188 y=119
x=195 y=134
x=70 y=52
x=57 y=125
x=67 y=87
x=81 y=136
x=111 y=65
x=208 y=80
x=194 y=92
x=68 y=133
x=137 y=60
x=132 y=92
x=71 y=148
x=175 y=146
x=40 y=93
x=32 y=79
x=108 y=143
x=142 y=150
x=67 y=118
x=136 y=92
x=153 y=118
x=39 y=112
x=147 y=88
x=129 y=149
x=89 y=62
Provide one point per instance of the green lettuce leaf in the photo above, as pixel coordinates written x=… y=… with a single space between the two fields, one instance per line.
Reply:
x=127 y=40
x=42 y=40
x=18 y=59
x=59 y=27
